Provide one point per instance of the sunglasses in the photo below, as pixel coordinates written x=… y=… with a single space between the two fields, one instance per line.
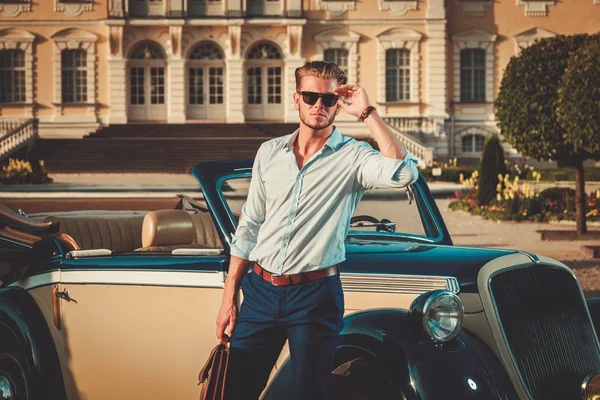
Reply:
x=310 y=98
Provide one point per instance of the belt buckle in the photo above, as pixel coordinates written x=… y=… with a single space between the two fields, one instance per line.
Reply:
x=272 y=281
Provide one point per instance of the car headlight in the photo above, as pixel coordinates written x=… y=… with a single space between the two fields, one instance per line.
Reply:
x=441 y=313
x=590 y=388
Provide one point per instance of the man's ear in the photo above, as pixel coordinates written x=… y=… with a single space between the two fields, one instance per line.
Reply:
x=296 y=97
x=338 y=109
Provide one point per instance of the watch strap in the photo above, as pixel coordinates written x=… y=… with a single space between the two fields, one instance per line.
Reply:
x=367 y=112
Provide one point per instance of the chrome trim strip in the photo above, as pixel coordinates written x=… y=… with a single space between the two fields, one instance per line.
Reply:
x=372 y=283
x=197 y=279
x=398 y=284
x=88 y=253
x=197 y=252
x=533 y=257
x=501 y=325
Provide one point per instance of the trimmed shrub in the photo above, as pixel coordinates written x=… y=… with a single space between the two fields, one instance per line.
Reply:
x=492 y=165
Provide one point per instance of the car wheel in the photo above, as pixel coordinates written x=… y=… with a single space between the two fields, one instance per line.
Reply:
x=362 y=377
x=14 y=376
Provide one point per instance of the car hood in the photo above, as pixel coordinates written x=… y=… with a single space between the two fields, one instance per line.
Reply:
x=410 y=258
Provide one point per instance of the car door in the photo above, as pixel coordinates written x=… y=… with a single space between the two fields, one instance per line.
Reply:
x=139 y=326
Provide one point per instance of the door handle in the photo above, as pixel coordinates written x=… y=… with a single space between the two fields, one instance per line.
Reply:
x=64 y=294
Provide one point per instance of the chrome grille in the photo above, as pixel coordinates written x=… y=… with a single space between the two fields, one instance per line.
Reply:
x=547 y=329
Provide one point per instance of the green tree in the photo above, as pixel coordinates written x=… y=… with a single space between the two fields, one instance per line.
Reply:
x=526 y=108
x=579 y=98
x=492 y=164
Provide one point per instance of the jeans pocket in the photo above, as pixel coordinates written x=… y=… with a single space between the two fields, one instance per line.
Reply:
x=336 y=293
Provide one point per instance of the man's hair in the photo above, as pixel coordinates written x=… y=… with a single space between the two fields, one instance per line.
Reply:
x=320 y=69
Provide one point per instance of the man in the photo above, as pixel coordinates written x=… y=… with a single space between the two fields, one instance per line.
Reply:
x=304 y=190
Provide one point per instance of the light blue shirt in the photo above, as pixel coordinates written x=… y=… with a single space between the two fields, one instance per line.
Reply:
x=296 y=220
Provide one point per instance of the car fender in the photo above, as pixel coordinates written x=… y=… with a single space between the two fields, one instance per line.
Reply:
x=21 y=316
x=463 y=368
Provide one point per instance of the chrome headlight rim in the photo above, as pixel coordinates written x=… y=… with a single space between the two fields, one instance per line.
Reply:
x=586 y=381
x=422 y=304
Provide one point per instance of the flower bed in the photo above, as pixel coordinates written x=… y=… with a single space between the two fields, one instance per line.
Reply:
x=20 y=171
x=518 y=200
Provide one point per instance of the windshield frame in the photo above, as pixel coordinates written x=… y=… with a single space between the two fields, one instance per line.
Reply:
x=431 y=223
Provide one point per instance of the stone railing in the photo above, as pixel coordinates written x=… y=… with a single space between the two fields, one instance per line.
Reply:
x=417 y=149
x=14 y=139
x=8 y=125
x=192 y=9
x=415 y=125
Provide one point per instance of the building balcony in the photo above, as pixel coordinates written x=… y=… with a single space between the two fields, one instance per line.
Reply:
x=204 y=9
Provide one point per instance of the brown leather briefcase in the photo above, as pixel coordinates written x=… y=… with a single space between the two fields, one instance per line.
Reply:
x=212 y=375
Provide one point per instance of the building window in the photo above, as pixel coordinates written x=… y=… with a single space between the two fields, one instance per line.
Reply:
x=203 y=58
x=74 y=76
x=264 y=51
x=274 y=85
x=472 y=143
x=397 y=75
x=337 y=56
x=254 y=78
x=472 y=76
x=12 y=76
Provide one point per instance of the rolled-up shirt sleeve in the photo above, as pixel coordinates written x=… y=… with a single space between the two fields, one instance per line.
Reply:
x=375 y=171
x=252 y=217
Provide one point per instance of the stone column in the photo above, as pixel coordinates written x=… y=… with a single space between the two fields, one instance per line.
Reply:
x=176 y=78
x=294 y=60
x=437 y=71
x=118 y=90
x=176 y=90
x=117 y=78
x=235 y=91
x=234 y=77
x=115 y=8
x=235 y=9
x=294 y=8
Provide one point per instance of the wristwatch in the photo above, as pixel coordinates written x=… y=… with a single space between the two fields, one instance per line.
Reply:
x=367 y=112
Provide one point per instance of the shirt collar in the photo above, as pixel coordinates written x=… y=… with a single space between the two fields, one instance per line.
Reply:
x=334 y=142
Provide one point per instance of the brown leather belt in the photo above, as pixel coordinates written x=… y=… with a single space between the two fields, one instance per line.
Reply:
x=294 y=279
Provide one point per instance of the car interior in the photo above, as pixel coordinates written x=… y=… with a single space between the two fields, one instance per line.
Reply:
x=187 y=226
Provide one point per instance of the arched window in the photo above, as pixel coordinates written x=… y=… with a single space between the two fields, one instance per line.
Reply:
x=74 y=76
x=397 y=75
x=337 y=56
x=12 y=76
x=206 y=51
x=147 y=77
x=147 y=51
x=264 y=51
x=472 y=76
x=206 y=73
x=472 y=143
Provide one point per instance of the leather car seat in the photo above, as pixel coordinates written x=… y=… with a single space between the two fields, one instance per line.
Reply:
x=121 y=234
x=165 y=230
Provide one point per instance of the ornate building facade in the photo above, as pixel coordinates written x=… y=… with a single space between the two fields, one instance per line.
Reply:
x=432 y=67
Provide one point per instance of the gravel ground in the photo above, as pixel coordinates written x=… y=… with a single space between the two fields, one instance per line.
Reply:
x=468 y=230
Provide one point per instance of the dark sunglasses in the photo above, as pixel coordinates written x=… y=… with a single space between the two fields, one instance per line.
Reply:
x=310 y=98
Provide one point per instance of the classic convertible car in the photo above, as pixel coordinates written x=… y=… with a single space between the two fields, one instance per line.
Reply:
x=122 y=304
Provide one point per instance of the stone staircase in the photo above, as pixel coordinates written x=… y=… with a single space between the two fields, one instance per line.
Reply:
x=178 y=147
x=157 y=147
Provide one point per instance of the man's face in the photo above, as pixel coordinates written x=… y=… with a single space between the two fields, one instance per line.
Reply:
x=317 y=116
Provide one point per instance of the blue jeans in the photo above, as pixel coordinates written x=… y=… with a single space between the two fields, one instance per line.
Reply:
x=309 y=315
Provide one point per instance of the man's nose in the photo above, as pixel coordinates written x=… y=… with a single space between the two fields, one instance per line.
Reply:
x=319 y=103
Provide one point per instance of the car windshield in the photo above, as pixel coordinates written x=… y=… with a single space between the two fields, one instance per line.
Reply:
x=381 y=212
